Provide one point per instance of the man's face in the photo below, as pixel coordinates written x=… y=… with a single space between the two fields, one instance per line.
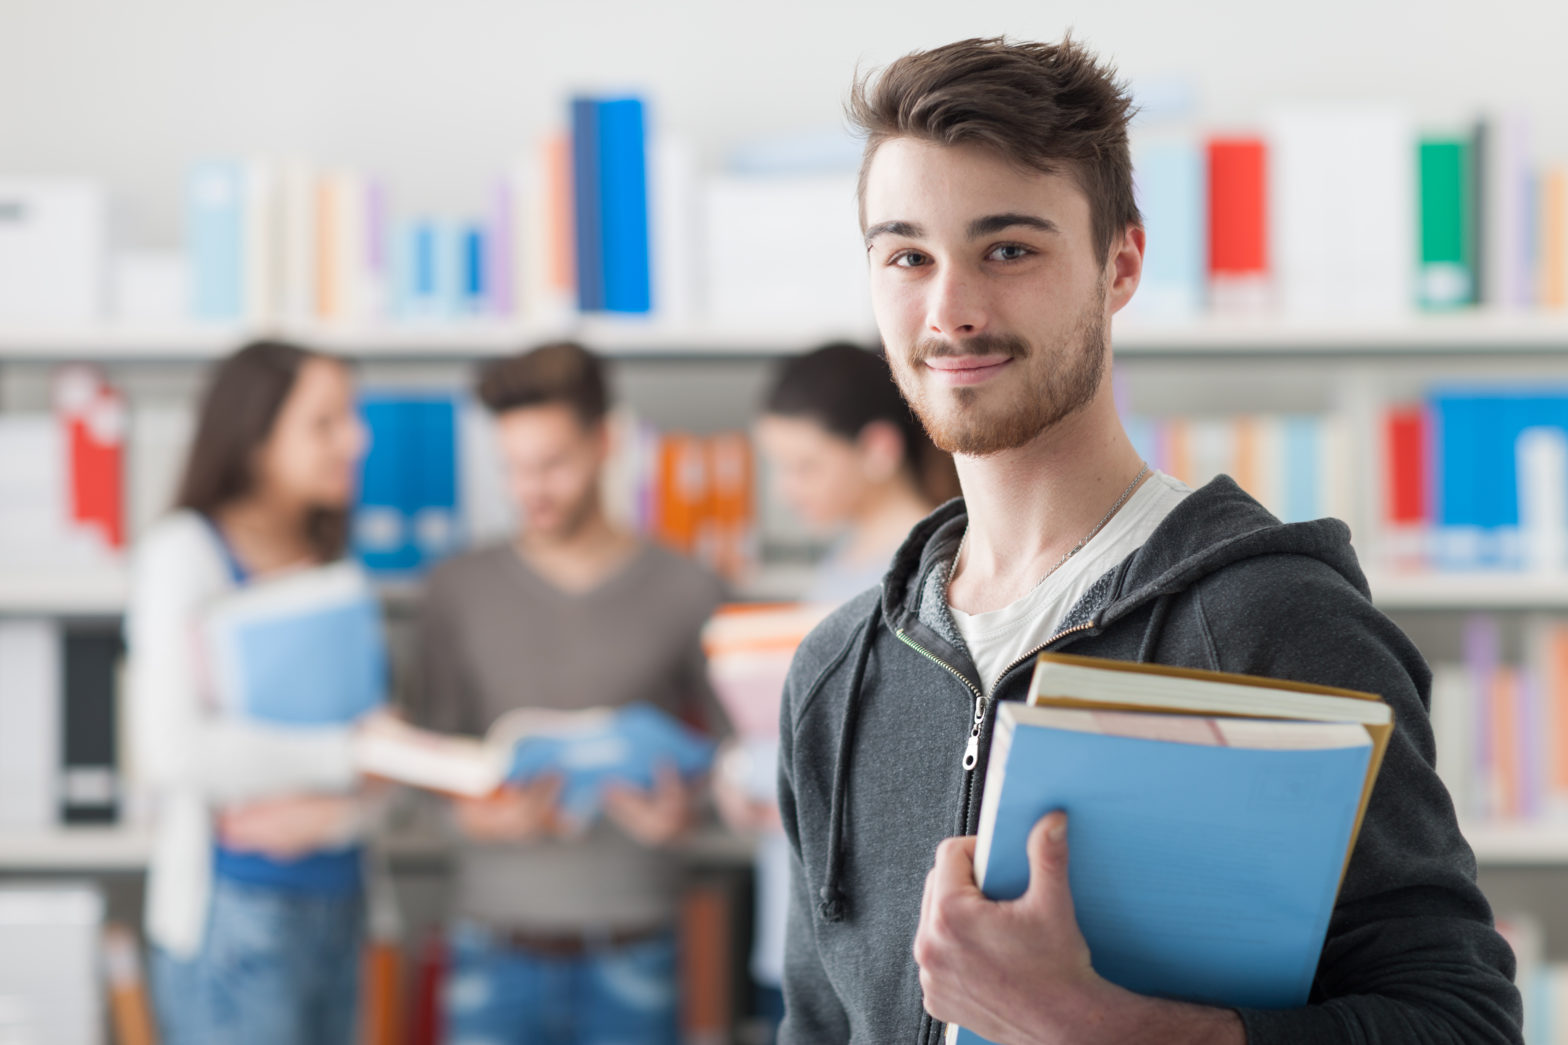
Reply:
x=553 y=464
x=987 y=292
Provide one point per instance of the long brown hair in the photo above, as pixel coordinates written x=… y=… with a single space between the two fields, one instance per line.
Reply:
x=238 y=411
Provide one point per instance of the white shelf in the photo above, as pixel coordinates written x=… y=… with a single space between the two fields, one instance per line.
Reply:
x=127 y=849
x=1519 y=845
x=65 y=593
x=75 y=849
x=1470 y=591
x=479 y=338
x=1543 y=333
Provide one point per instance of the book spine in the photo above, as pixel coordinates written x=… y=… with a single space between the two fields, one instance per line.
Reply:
x=90 y=783
x=587 y=198
x=215 y=227
x=31 y=717
x=1238 y=224
x=623 y=187
x=1447 y=268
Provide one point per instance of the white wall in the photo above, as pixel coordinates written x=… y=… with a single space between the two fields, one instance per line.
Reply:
x=436 y=96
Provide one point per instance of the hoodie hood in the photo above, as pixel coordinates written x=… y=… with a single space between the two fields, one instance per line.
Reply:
x=1216 y=526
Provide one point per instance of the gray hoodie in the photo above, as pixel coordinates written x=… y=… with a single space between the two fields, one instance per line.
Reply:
x=881 y=704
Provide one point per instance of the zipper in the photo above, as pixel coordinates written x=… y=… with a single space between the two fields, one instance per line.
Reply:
x=972 y=745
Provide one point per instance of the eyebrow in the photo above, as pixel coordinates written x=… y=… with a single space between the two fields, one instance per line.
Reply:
x=986 y=226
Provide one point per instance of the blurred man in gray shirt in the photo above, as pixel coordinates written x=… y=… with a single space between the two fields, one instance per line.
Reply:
x=563 y=932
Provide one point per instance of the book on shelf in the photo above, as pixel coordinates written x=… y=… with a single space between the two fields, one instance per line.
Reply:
x=51 y=939
x=1238 y=264
x=588 y=750
x=1191 y=796
x=302 y=649
x=31 y=678
x=1500 y=723
x=54 y=250
x=1448 y=221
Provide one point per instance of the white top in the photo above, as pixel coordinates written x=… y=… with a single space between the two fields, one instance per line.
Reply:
x=188 y=756
x=998 y=639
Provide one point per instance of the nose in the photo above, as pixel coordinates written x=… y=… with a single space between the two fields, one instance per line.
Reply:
x=956 y=307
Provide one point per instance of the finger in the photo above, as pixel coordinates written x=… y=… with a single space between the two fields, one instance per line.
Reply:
x=954 y=869
x=1047 y=848
x=667 y=780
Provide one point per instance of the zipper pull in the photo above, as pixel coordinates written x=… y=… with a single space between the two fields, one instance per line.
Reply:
x=972 y=747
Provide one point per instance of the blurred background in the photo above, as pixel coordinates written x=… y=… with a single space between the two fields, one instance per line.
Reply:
x=1356 y=303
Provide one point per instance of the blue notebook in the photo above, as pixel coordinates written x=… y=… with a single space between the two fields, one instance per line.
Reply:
x=306 y=649
x=589 y=749
x=1205 y=850
x=624 y=746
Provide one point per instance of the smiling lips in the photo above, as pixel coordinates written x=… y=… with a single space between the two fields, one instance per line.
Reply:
x=967 y=369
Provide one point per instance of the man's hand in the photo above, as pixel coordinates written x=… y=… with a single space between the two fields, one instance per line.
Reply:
x=288 y=828
x=658 y=816
x=515 y=813
x=1018 y=972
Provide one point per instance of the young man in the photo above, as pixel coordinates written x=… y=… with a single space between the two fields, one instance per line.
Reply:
x=1001 y=232
x=564 y=930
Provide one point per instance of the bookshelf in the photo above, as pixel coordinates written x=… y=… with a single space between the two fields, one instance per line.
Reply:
x=1416 y=336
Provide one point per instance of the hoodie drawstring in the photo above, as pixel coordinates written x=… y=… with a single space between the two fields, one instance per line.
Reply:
x=832 y=902
x=1151 y=634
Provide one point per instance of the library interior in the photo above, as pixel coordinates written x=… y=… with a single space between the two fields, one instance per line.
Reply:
x=485 y=349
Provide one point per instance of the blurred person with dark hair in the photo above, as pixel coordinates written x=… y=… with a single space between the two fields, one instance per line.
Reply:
x=848 y=456
x=255 y=899
x=563 y=932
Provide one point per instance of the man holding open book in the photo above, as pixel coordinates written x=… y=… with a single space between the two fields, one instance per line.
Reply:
x=1002 y=236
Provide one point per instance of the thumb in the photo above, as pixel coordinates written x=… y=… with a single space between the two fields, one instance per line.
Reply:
x=1047 y=849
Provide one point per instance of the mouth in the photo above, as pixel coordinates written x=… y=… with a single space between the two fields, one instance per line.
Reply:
x=954 y=371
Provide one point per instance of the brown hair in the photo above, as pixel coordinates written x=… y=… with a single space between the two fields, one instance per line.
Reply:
x=563 y=372
x=1050 y=108
x=238 y=410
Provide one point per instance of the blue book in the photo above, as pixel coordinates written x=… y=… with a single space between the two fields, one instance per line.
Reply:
x=1210 y=818
x=1301 y=436
x=306 y=649
x=588 y=202
x=381 y=536
x=407 y=516
x=588 y=749
x=475 y=278
x=623 y=192
x=215 y=219
x=1171 y=185
x=624 y=746
x=431 y=465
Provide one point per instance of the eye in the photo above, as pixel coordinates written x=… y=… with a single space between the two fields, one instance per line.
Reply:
x=1010 y=252
x=908 y=259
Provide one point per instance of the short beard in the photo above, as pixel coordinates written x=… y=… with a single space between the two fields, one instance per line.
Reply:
x=974 y=431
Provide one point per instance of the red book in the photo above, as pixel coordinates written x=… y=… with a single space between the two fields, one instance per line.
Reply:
x=426 y=1024
x=1238 y=218
x=1407 y=440
x=93 y=413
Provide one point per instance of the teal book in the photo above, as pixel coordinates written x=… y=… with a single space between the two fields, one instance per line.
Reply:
x=1210 y=819
x=1448 y=222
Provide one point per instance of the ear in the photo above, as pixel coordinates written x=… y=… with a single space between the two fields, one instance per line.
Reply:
x=882 y=450
x=1124 y=268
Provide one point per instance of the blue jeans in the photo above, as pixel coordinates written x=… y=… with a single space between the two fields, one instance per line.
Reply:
x=277 y=966
x=499 y=995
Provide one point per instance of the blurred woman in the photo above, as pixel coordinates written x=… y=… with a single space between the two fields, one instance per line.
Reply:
x=853 y=463
x=255 y=900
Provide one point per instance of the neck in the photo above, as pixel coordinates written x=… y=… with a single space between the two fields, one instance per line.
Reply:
x=1030 y=506
x=267 y=532
x=579 y=559
x=885 y=519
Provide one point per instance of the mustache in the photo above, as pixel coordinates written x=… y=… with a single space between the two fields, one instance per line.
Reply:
x=1009 y=345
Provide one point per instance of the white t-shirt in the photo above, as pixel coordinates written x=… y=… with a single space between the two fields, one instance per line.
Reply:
x=999 y=638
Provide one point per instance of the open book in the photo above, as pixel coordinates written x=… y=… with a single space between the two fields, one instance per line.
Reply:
x=1210 y=819
x=588 y=749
